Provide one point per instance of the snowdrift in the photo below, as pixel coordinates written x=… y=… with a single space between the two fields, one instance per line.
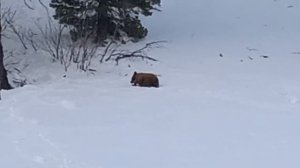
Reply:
x=229 y=95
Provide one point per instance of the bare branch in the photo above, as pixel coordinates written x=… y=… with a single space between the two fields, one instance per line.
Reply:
x=28 y=6
x=7 y=16
x=17 y=33
x=106 y=50
x=133 y=56
x=118 y=55
x=30 y=37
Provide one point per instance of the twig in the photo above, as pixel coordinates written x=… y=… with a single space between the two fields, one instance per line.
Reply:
x=28 y=6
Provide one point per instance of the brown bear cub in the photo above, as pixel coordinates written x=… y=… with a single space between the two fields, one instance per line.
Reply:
x=144 y=80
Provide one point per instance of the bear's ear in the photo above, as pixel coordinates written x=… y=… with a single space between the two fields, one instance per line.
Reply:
x=134 y=73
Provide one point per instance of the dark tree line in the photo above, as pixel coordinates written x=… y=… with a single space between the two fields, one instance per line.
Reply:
x=4 y=84
x=3 y=73
x=103 y=19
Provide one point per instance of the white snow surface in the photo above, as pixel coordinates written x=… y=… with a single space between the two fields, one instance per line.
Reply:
x=241 y=110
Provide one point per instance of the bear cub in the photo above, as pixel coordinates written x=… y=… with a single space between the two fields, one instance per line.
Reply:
x=144 y=80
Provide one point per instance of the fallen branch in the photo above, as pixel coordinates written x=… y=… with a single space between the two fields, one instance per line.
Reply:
x=28 y=6
x=117 y=55
x=133 y=56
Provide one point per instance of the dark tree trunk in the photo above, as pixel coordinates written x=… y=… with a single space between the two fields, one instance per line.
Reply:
x=3 y=73
x=102 y=25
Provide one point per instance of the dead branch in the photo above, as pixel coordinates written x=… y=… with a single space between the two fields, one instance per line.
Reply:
x=30 y=37
x=20 y=36
x=8 y=22
x=117 y=55
x=106 y=50
x=118 y=58
x=27 y=4
x=7 y=16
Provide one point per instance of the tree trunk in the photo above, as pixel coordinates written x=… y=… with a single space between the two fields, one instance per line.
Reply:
x=3 y=73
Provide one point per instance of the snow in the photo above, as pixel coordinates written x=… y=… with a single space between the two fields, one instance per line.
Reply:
x=238 y=110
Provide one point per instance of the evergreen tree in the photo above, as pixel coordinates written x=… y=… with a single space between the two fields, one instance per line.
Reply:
x=101 y=19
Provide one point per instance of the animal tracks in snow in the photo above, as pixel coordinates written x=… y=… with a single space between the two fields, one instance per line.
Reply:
x=290 y=98
x=68 y=104
x=39 y=159
x=293 y=99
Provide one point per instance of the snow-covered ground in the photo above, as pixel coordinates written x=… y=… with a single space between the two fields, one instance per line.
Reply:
x=237 y=110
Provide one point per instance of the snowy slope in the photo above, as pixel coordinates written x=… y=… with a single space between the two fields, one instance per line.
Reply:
x=238 y=110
